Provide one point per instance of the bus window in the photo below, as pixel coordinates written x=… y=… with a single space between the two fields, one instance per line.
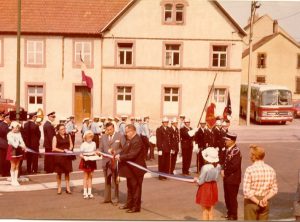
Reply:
x=284 y=97
x=269 y=97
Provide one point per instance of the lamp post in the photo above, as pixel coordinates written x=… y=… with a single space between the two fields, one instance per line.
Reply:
x=18 y=62
x=254 y=6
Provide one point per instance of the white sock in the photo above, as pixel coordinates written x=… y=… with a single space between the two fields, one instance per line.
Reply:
x=12 y=176
x=89 y=190
x=16 y=176
x=84 y=191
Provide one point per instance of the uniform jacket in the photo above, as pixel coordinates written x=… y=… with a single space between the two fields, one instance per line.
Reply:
x=117 y=143
x=186 y=140
x=174 y=138
x=210 y=139
x=49 y=133
x=4 y=129
x=201 y=137
x=31 y=135
x=218 y=137
x=133 y=151
x=163 y=139
x=232 y=166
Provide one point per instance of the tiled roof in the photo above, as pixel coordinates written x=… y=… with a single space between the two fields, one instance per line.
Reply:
x=66 y=17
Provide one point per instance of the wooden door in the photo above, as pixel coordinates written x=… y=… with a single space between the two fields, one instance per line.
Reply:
x=82 y=103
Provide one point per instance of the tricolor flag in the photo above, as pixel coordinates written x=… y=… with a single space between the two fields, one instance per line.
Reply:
x=227 y=110
x=88 y=80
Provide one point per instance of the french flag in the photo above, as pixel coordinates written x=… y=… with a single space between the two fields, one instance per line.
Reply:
x=88 y=80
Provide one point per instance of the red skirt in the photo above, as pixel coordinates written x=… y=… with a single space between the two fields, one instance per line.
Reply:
x=87 y=166
x=14 y=153
x=207 y=194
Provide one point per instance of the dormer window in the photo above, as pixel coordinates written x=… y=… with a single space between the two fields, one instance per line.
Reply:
x=173 y=13
x=179 y=13
x=168 y=13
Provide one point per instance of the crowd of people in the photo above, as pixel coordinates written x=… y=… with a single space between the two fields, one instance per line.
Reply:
x=217 y=155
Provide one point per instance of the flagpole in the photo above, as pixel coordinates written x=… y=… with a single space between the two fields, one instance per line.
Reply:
x=18 y=62
x=207 y=99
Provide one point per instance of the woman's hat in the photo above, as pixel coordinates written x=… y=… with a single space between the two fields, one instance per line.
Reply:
x=211 y=155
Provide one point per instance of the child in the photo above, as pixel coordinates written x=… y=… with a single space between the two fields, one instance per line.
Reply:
x=16 y=148
x=88 y=147
x=207 y=194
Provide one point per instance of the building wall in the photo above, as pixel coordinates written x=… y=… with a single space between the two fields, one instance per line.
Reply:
x=281 y=64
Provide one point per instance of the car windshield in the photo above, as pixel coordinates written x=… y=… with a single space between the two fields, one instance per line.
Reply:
x=276 y=97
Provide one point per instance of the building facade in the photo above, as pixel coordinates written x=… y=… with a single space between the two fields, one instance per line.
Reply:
x=276 y=56
x=147 y=57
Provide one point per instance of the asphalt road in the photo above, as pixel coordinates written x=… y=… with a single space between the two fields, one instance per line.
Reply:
x=161 y=200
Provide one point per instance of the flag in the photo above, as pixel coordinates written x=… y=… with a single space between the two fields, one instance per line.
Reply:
x=227 y=110
x=210 y=115
x=88 y=80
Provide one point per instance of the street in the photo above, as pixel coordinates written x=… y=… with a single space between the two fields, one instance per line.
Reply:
x=161 y=200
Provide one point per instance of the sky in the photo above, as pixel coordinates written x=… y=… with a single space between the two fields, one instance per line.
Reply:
x=286 y=12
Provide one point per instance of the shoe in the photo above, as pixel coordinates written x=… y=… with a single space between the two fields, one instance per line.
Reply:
x=68 y=192
x=106 y=201
x=232 y=218
x=124 y=207
x=58 y=192
x=91 y=196
x=133 y=210
x=85 y=196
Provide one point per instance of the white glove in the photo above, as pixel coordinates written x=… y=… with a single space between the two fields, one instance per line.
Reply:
x=172 y=151
x=160 y=153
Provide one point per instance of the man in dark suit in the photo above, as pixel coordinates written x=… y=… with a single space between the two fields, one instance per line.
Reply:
x=111 y=142
x=49 y=133
x=186 y=146
x=200 y=139
x=219 y=141
x=31 y=136
x=174 y=140
x=163 y=144
x=232 y=174
x=134 y=152
x=4 y=129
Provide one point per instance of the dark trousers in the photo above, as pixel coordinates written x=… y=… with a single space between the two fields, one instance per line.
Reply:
x=200 y=160
x=151 y=153
x=73 y=138
x=254 y=212
x=146 y=145
x=230 y=195
x=173 y=161
x=32 y=162
x=164 y=163
x=111 y=182
x=134 y=192
x=186 y=158
x=4 y=164
x=49 y=161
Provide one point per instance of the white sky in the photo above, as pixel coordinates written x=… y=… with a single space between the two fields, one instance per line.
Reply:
x=286 y=12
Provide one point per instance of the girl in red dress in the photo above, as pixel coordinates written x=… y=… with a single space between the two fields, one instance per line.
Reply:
x=207 y=194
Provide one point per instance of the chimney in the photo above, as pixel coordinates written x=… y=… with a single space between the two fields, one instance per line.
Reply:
x=275 y=26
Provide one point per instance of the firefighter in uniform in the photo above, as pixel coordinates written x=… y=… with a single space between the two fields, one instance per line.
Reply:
x=163 y=147
x=186 y=146
x=96 y=129
x=231 y=175
x=219 y=141
x=200 y=139
x=174 y=143
x=122 y=124
x=49 y=133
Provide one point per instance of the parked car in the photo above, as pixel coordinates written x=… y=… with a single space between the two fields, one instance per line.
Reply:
x=296 y=107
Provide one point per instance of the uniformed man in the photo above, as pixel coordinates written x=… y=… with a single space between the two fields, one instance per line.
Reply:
x=145 y=134
x=31 y=136
x=138 y=125
x=231 y=175
x=219 y=141
x=85 y=126
x=102 y=122
x=163 y=144
x=174 y=140
x=49 y=133
x=117 y=123
x=200 y=139
x=210 y=139
x=4 y=129
x=132 y=120
x=96 y=129
x=181 y=120
x=122 y=124
x=71 y=129
x=186 y=146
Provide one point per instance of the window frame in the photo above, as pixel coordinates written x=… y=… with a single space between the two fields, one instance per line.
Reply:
x=132 y=86
x=174 y=3
x=29 y=84
x=117 y=61
x=77 y=64
x=261 y=76
x=165 y=54
x=228 y=49
x=43 y=64
x=297 y=79
x=1 y=52
x=163 y=87
x=259 y=54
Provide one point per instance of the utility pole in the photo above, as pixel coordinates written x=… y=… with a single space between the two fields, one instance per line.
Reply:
x=18 y=62
x=254 y=6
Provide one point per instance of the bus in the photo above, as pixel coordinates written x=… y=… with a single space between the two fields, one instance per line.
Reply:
x=269 y=103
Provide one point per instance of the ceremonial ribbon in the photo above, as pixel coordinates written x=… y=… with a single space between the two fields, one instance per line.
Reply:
x=171 y=176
